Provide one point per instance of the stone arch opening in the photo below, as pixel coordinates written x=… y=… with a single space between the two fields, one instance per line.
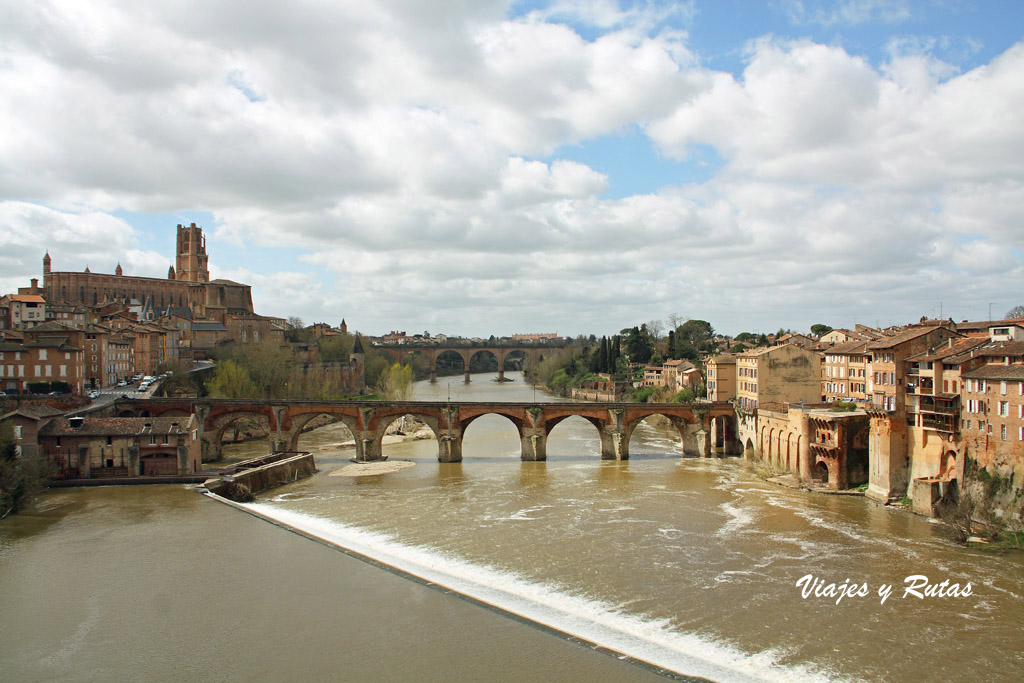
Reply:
x=515 y=360
x=749 y=448
x=492 y=435
x=395 y=432
x=725 y=435
x=483 y=360
x=240 y=435
x=949 y=466
x=326 y=433
x=657 y=434
x=820 y=472
x=450 y=362
x=573 y=435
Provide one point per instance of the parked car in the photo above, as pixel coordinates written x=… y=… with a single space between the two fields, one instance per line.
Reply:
x=94 y=394
x=122 y=383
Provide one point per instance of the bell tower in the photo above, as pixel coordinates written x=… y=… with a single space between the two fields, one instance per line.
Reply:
x=192 y=258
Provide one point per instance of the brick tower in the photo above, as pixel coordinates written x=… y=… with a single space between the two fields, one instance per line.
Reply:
x=192 y=258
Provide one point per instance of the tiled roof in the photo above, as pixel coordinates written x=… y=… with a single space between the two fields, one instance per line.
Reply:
x=988 y=349
x=904 y=336
x=960 y=345
x=28 y=298
x=52 y=326
x=995 y=371
x=723 y=359
x=36 y=412
x=118 y=426
x=850 y=348
x=985 y=324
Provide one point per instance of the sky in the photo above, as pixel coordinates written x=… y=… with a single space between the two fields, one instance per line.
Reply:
x=478 y=167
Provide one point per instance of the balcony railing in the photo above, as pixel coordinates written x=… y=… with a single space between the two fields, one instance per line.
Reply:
x=941 y=425
x=940 y=409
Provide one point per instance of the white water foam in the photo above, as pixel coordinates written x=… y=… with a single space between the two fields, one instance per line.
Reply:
x=590 y=620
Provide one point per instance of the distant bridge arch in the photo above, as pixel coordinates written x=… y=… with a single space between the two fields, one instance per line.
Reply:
x=501 y=352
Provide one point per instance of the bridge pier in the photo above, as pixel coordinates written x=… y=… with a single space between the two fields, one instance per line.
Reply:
x=368 y=448
x=467 y=373
x=534 y=445
x=501 y=374
x=449 y=448
x=703 y=438
x=614 y=445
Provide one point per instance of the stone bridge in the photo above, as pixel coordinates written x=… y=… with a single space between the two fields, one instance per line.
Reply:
x=432 y=352
x=368 y=420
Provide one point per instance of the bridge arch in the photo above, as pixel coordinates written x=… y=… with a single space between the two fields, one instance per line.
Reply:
x=297 y=425
x=552 y=424
x=501 y=422
x=213 y=434
x=683 y=427
x=446 y=357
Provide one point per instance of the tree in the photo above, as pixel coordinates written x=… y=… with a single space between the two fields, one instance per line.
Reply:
x=336 y=348
x=654 y=328
x=1015 y=312
x=698 y=334
x=638 y=346
x=20 y=477
x=395 y=383
x=230 y=380
x=674 y=320
x=819 y=329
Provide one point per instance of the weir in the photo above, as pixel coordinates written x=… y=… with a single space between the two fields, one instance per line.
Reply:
x=368 y=421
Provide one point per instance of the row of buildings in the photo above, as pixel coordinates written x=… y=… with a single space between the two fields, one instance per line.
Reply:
x=92 y=330
x=905 y=410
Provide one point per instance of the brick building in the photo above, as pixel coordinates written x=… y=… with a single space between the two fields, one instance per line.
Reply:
x=887 y=373
x=844 y=372
x=121 y=446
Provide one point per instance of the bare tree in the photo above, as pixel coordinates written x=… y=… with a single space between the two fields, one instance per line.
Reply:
x=1015 y=312
x=654 y=328
x=675 y=320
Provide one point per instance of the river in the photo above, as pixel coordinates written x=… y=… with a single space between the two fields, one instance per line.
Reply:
x=689 y=564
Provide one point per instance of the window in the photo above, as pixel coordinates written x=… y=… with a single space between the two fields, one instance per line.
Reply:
x=1004 y=409
x=1002 y=387
x=1002 y=433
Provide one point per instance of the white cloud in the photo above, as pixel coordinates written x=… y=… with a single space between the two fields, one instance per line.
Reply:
x=397 y=142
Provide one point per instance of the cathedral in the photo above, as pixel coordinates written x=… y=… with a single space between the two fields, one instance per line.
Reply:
x=188 y=284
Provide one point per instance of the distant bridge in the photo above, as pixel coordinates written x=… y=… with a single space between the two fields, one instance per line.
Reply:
x=499 y=351
x=699 y=425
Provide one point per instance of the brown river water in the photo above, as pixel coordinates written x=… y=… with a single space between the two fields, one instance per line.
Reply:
x=690 y=565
